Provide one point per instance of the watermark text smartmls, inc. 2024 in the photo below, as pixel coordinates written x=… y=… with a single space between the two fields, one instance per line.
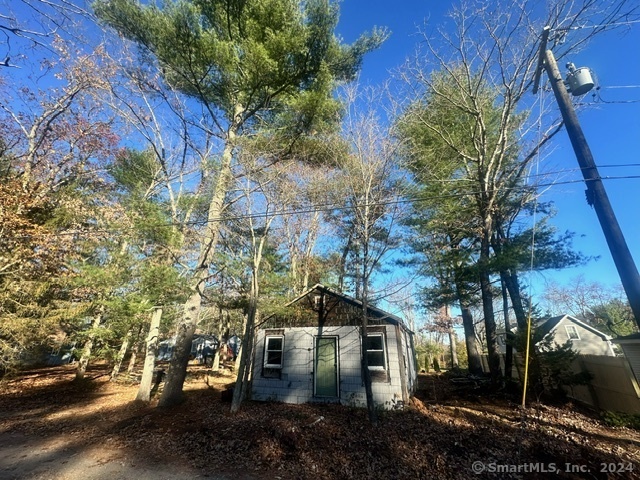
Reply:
x=479 y=467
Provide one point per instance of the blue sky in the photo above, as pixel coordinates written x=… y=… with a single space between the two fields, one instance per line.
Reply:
x=612 y=129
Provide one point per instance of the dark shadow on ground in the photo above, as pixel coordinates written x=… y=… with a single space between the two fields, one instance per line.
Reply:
x=61 y=428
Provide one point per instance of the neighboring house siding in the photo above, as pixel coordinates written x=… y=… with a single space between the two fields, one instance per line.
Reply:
x=632 y=352
x=296 y=378
x=588 y=344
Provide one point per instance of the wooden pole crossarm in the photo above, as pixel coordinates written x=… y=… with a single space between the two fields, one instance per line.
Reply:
x=541 y=54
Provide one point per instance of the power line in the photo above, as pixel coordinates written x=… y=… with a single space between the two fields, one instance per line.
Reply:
x=618 y=101
x=602 y=25
x=546 y=174
x=598 y=97
x=318 y=208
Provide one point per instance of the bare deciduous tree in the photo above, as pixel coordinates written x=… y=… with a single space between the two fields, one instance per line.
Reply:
x=473 y=85
x=370 y=180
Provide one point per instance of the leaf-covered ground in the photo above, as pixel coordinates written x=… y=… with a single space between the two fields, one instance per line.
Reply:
x=53 y=428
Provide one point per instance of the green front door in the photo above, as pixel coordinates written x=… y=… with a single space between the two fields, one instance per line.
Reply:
x=326 y=367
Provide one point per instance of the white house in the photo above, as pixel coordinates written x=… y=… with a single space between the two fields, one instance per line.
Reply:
x=585 y=339
x=312 y=353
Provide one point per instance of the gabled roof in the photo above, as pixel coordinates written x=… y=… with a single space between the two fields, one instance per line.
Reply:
x=373 y=311
x=552 y=323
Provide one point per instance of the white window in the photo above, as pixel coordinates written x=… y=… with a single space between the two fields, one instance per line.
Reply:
x=375 y=351
x=572 y=332
x=273 y=350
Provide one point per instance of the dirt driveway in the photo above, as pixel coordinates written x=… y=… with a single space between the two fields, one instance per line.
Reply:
x=51 y=429
x=24 y=457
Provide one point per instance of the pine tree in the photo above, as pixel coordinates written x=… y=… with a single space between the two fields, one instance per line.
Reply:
x=251 y=65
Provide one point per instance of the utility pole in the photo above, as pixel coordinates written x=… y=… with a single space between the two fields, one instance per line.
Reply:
x=596 y=193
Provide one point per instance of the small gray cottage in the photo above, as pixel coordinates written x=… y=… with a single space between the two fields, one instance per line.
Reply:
x=312 y=353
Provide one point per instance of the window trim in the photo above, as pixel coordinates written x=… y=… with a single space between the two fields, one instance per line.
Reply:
x=265 y=362
x=575 y=330
x=384 y=351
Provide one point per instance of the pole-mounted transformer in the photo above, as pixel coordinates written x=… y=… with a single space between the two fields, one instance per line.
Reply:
x=579 y=80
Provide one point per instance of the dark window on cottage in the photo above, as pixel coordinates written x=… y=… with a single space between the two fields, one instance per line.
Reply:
x=572 y=332
x=273 y=351
x=375 y=351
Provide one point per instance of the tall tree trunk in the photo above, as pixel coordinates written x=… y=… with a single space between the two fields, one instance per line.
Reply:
x=473 y=354
x=123 y=351
x=358 y=280
x=240 y=391
x=134 y=356
x=293 y=272
x=453 y=347
x=508 y=358
x=243 y=387
x=487 y=308
x=81 y=369
x=366 y=373
x=172 y=393
x=343 y=263
x=144 y=390
x=236 y=366
x=312 y=235
x=215 y=365
x=509 y=279
x=305 y=277
x=512 y=285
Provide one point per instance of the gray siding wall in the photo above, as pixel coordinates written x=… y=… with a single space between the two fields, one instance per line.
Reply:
x=296 y=382
x=589 y=343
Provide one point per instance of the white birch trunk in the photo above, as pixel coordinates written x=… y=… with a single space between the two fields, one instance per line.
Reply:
x=123 y=351
x=144 y=390
x=88 y=346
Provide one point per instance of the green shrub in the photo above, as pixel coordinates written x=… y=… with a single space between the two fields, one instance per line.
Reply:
x=620 y=419
x=436 y=365
x=551 y=365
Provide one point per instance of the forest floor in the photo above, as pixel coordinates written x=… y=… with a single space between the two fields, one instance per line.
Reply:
x=54 y=428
